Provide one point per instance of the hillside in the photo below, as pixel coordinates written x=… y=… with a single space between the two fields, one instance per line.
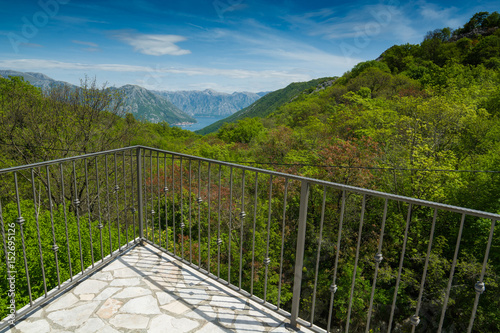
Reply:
x=268 y=103
x=208 y=102
x=145 y=104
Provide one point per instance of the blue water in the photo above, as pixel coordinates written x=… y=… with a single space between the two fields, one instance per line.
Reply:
x=202 y=122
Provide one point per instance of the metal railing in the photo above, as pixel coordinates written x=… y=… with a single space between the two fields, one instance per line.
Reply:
x=328 y=256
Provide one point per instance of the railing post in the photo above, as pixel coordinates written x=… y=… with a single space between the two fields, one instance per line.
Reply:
x=139 y=195
x=299 y=254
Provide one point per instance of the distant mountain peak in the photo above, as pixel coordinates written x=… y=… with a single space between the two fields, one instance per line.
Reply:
x=40 y=76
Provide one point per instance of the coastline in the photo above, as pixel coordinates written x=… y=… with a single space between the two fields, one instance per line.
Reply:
x=184 y=124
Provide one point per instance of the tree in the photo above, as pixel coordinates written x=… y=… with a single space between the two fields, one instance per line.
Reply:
x=476 y=21
x=60 y=122
x=244 y=131
x=441 y=34
x=362 y=66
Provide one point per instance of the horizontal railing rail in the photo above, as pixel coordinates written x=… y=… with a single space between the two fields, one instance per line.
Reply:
x=329 y=256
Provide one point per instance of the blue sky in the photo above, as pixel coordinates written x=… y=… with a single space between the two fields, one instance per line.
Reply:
x=225 y=45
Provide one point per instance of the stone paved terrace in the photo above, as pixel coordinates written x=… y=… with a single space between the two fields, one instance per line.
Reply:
x=146 y=290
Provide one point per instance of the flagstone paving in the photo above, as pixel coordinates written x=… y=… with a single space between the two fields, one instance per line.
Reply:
x=146 y=290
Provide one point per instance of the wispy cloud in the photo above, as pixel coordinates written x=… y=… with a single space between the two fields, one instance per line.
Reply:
x=32 y=45
x=74 y=20
x=369 y=20
x=41 y=64
x=441 y=16
x=278 y=49
x=151 y=44
x=92 y=47
x=85 y=43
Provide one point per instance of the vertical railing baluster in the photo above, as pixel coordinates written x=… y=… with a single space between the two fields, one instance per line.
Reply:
x=20 y=221
x=199 y=200
x=299 y=253
x=353 y=283
x=479 y=287
x=333 y=286
x=452 y=272
x=140 y=208
x=158 y=192
x=145 y=193
x=242 y=220
x=415 y=319
x=400 y=269
x=89 y=215
x=267 y=260
x=282 y=243
x=230 y=224
x=173 y=206
x=42 y=266
x=108 y=207
x=209 y=217
x=151 y=190
x=318 y=253
x=55 y=248
x=117 y=190
x=100 y=225
x=125 y=213
x=378 y=259
x=190 y=202
x=132 y=203
x=165 y=190
x=76 y=202
x=253 y=234
x=65 y=221
x=219 y=240
x=182 y=209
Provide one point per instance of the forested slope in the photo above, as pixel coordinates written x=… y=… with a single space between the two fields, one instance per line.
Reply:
x=267 y=104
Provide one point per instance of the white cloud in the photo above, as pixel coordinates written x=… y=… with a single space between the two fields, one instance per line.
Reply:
x=156 y=45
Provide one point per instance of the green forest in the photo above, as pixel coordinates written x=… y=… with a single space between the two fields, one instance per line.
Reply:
x=422 y=120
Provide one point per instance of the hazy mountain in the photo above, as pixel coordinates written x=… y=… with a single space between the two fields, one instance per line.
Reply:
x=270 y=102
x=37 y=79
x=144 y=104
x=209 y=102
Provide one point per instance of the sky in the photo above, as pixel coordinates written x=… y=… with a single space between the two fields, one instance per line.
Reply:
x=224 y=45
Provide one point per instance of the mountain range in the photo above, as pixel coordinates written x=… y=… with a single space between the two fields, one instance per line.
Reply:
x=145 y=104
x=174 y=107
x=209 y=102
